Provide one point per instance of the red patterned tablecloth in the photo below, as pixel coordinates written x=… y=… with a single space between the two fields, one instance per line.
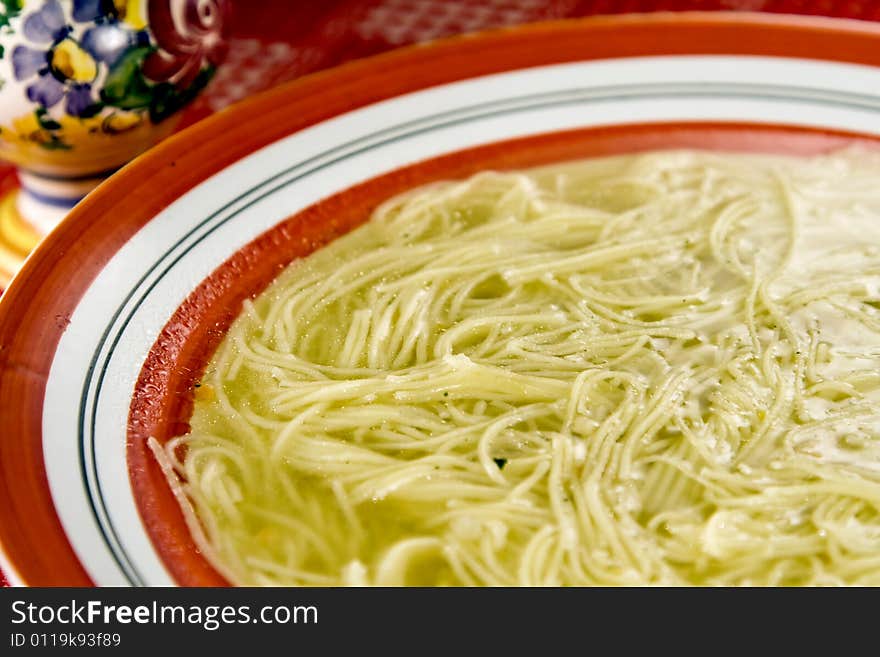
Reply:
x=272 y=45
x=273 y=41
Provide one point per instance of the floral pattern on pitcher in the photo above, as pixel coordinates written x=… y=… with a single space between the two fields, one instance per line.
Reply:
x=9 y=10
x=106 y=66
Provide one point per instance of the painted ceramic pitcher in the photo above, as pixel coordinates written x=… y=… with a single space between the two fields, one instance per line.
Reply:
x=85 y=85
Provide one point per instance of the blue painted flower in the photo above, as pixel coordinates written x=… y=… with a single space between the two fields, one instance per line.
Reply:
x=110 y=38
x=86 y=11
x=47 y=24
x=61 y=65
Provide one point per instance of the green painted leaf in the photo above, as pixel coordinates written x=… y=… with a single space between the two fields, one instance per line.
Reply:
x=10 y=9
x=55 y=144
x=168 y=99
x=46 y=122
x=125 y=86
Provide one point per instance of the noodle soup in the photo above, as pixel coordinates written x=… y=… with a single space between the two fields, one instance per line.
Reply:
x=647 y=369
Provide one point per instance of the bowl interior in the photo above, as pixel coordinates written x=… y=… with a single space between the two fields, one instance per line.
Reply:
x=163 y=397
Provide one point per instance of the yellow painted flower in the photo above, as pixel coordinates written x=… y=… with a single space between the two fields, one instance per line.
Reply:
x=72 y=62
x=132 y=12
x=118 y=122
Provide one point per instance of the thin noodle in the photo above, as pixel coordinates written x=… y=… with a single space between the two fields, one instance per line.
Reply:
x=646 y=369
